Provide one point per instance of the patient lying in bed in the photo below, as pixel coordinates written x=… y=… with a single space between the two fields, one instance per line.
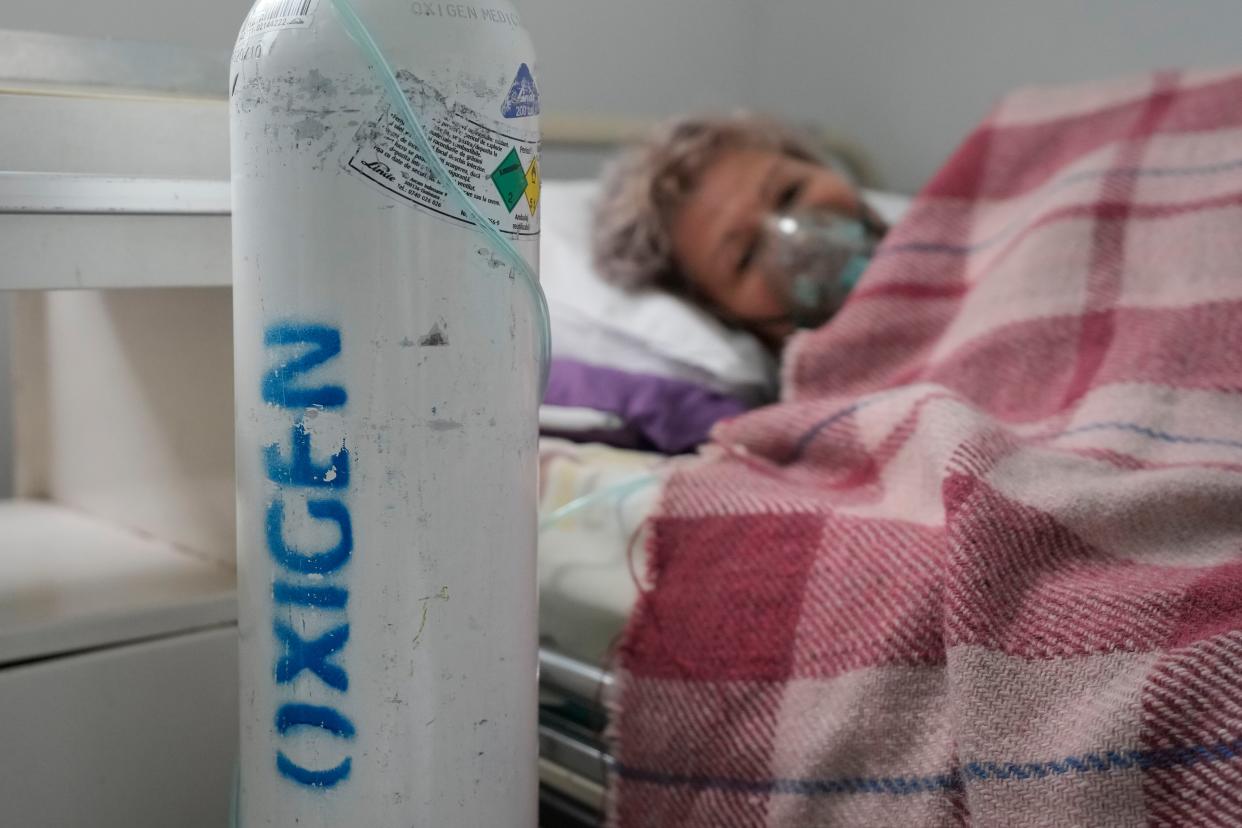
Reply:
x=742 y=216
x=697 y=211
x=714 y=240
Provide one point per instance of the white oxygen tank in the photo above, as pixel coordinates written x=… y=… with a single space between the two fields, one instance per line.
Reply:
x=387 y=385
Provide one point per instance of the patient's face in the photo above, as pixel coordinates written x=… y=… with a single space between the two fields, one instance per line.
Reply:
x=717 y=231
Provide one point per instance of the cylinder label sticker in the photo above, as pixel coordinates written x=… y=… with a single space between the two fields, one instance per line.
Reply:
x=270 y=15
x=498 y=170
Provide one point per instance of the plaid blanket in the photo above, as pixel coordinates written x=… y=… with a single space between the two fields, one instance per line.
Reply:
x=983 y=565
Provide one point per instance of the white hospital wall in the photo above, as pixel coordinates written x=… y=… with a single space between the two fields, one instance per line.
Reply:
x=638 y=60
x=904 y=78
x=642 y=57
x=907 y=79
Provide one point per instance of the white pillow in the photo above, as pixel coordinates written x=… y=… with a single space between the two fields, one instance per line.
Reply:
x=646 y=331
x=892 y=207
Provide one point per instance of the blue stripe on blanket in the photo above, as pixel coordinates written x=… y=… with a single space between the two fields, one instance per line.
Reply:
x=812 y=434
x=1153 y=434
x=1110 y=761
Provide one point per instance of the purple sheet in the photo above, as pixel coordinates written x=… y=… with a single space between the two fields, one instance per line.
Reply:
x=660 y=414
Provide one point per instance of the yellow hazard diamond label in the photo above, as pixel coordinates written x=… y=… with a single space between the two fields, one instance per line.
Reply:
x=532 y=186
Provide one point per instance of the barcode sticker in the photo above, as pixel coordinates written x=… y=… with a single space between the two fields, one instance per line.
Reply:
x=279 y=14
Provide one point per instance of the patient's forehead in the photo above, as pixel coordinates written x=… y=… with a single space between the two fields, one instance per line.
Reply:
x=727 y=202
x=733 y=182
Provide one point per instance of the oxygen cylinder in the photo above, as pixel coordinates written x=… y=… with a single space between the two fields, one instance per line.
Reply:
x=387 y=353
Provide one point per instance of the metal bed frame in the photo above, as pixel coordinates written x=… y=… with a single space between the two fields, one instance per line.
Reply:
x=574 y=762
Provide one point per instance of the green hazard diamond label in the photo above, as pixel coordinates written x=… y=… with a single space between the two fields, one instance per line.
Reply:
x=510 y=180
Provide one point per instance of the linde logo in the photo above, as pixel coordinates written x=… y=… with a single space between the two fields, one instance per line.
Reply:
x=523 y=98
x=381 y=169
x=310 y=590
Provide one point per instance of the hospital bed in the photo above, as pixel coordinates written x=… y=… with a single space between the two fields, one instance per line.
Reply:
x=595 y=501
x=116 y=584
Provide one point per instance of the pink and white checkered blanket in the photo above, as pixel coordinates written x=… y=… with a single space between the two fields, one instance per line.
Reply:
x=984 y=564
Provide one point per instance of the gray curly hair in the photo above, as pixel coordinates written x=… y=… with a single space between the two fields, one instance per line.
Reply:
x=643 y=189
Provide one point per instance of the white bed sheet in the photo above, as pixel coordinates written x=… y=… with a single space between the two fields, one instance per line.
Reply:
x=586 y=587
